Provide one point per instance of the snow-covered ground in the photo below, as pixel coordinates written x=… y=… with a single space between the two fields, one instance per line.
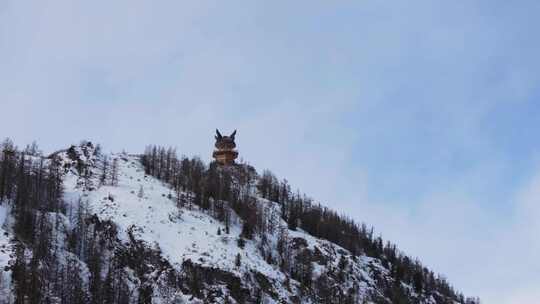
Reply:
x=185 y=233
x=146 y=208
x=181 y=234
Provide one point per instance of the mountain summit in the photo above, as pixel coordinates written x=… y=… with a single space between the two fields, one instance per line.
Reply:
x=82 y=226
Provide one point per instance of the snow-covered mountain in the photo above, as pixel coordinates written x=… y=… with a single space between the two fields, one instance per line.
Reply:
x=121 y=235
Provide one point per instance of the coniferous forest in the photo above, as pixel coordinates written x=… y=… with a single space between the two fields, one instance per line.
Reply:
x=298 y=211
x=63 y=252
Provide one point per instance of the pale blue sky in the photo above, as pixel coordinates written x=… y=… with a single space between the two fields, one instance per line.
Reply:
x=417 y=117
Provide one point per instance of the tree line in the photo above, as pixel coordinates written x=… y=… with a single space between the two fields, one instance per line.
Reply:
x=85 y=263
x=62 y=252
x=216 y=189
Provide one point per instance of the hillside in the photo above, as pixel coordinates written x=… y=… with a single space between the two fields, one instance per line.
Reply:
x=81 y=226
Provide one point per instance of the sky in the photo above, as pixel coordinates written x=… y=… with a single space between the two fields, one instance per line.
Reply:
x=417 y=117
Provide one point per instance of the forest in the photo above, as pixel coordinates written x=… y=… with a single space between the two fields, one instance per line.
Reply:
x=213 y=185
x=50 y=265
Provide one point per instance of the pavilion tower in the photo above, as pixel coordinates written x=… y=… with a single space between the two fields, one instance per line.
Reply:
x=225 y=152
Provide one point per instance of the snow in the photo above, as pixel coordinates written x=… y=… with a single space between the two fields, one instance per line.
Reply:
x=187 y=233
x=181 y=234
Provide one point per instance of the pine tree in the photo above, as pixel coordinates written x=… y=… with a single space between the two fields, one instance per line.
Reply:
x=8 y=151
x=238 y=260
x=104 y=171
x=19 y=275
x=77 y=291
x=94 y=266
x=114 y=173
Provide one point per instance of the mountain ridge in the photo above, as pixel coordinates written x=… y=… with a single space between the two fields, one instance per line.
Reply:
x=155 y=228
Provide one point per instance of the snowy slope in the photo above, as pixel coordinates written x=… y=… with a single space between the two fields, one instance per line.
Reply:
x=174 y=254
x=180 y=234
x=183 y=234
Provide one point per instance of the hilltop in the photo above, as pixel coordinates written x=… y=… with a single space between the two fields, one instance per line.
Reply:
x=83 y=226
